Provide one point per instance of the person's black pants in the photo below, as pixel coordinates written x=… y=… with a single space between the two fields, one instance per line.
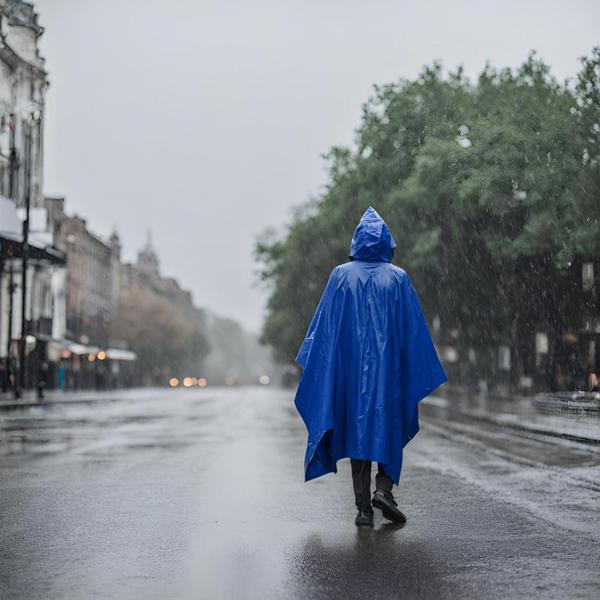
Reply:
x=361 y=478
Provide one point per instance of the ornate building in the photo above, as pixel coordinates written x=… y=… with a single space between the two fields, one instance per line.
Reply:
x=29 y=306
x=90 y=267
x=23 y=84
x=145 y=275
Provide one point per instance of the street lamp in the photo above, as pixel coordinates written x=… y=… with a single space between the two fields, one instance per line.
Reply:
x=35 y=118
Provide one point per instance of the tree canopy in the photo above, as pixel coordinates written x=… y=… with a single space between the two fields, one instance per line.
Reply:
x=491 y=189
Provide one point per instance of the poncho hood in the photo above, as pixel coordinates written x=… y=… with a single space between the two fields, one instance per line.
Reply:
x=372 y=240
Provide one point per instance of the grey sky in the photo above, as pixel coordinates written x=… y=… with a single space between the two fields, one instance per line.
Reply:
x=205 y=121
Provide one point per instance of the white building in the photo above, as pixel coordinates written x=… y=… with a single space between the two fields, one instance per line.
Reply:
x=23 y=84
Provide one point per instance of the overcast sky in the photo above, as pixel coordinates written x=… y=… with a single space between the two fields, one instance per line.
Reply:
x=204 y=121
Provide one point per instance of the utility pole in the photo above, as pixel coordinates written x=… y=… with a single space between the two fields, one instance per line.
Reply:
x=25 y=255
x=11 y=292
x=4 y=382
x=13 y=163
x=12 y=159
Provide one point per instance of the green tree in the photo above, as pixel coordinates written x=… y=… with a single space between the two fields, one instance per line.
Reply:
x=490 y=189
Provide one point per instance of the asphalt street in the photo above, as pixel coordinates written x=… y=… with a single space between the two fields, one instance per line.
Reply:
x=199 y=493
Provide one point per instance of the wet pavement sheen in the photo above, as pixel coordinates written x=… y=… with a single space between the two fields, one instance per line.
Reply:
x=200 y=494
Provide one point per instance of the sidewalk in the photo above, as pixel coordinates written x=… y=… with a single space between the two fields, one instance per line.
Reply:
x=30 y=399
x=569 y=415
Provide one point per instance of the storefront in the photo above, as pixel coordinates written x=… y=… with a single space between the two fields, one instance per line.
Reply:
x=39 y=305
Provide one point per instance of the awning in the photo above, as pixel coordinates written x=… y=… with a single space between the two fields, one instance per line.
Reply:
x=11 y=246
x=83 y=349
x=111 y=353
x=118 y=354
x=76 y=348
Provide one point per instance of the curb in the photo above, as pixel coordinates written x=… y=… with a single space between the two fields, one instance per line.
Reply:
x=499 y=422
x=540 y=431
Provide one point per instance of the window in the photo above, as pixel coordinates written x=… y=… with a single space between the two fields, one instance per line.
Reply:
x=587 y=276
x=541 y=343
x=541 y=348
x=472 y=356
x=504 y=358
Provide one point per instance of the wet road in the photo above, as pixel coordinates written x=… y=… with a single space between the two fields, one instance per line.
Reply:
x=199 y=494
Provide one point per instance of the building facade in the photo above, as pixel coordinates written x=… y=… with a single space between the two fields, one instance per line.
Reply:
x=89 y=282
x=145 y=275
x=30 y=309
x=159 y=320
x=23 y=85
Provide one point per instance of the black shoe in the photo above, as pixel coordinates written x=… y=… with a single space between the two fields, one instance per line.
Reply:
x=364 y=518
x=385 y=501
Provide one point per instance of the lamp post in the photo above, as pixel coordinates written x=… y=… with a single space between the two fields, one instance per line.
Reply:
x=13 y=163
x=25 y=252
x=11 y=292
x=12 y=158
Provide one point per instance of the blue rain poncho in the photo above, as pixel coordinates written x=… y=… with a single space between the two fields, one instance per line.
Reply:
x=368 y=360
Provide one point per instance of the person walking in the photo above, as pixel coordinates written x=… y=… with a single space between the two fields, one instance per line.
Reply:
x=367 y=360
x=42 y=379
